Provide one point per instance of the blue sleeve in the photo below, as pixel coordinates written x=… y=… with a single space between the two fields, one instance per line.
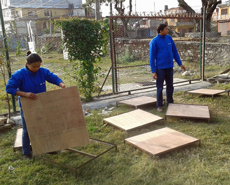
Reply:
x=52 y=78
x=152 y=56
x=175 y=53
x=13 y=83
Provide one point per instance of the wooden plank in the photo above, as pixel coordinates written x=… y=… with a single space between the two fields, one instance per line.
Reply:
x=188 y=111
x=132 y=120
x=18 y=139
x=161 y=141
x=55 y=121
x=206 y=91
x=139 y=101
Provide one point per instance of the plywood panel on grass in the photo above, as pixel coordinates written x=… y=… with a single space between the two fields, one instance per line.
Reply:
x=210 y=92
x=55 y=121
x=188 y=111
x=18 y=139
x=139 y=101
x=161 y=141
x=132 y=120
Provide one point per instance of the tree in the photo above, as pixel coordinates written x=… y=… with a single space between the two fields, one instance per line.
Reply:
x=210 y=7
x=119 y=7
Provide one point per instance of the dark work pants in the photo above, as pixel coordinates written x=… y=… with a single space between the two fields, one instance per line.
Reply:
x=167 y=76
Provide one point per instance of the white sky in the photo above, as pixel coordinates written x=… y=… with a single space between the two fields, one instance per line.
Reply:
x=148 y=5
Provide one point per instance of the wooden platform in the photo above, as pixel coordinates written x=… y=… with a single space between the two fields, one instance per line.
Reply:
x=161 y=141
x=208 y=92
x=139 y=101
x=188 y=111
x=132 y=120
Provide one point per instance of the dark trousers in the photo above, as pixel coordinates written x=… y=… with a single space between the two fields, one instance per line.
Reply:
x=167 y=76
x=25 y=137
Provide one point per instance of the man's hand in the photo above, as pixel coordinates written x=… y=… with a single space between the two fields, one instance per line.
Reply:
x=182 y=67
x=31 y=95
x=155 y=76
x=62 y=85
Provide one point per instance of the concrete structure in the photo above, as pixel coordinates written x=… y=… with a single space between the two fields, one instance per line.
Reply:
x=180 y=25
x=223 y=18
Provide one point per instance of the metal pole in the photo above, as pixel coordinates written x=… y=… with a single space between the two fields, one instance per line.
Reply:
x=7 y=53
x=97 y=12
x=200 y=48
x=203 y=49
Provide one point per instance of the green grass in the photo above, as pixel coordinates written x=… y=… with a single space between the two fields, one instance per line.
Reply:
x=207 y=164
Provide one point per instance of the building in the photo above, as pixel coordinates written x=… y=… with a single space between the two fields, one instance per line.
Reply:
x=40 y=14
x=223 y=18
x=181 y=26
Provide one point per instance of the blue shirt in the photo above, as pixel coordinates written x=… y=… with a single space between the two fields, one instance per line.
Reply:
x=27 y=81
x=162 y=50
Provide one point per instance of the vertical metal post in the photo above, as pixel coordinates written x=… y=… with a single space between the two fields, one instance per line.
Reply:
x=200 y=47
x=111 y=50
x=203 y=48
x=97 y=10
x=7 y=53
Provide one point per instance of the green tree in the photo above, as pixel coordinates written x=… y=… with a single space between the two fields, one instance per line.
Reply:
x=86 y=42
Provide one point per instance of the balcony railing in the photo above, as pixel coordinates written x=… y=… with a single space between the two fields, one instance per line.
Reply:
x=184 y=24
x=221 y=17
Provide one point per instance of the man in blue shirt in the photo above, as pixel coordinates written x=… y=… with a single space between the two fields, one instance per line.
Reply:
x=162 y=51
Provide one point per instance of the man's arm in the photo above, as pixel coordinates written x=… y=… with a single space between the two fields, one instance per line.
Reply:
x=152 y=57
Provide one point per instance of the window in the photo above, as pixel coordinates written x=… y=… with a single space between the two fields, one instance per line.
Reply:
x=224 y=11
x=31 y=12
x=16 y=14
x=172 y=20
x=48 y=13
x=44 y=25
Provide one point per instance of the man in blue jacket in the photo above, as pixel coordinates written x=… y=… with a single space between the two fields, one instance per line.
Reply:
x=162 y=51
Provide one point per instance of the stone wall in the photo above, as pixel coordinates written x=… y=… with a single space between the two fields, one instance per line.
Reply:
x=215 y=53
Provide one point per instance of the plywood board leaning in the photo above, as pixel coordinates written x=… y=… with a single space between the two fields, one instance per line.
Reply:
x=161 y=141
x=139 y=101
x=132 y=120
x=55 y=121
x=188 y=111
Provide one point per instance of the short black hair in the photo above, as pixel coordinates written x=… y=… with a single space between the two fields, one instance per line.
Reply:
x=161 y=27
x=33 y=58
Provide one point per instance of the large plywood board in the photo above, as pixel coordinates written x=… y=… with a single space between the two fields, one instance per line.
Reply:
x=210 y=92
x=18 y=139
x=161 y=141
x=139 y=101
x=55 y=121
x=188 y=111
x=132 y=120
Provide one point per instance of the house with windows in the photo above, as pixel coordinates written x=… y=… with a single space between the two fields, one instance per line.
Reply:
x=223 y=18
x=39 y=14
x=181 y=26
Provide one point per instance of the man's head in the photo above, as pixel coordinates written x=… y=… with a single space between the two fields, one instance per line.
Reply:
x=162 y=29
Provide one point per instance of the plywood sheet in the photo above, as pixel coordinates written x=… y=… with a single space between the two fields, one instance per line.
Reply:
x=18 y=139
x=132 y=120
x=207 y=91
x=188 y=111
x=161 y=141
x=55 y=121
x=139 y=101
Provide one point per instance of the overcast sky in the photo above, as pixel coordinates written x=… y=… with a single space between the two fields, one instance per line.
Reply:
x=148 y=5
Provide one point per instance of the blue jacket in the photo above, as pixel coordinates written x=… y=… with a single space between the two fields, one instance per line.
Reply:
x=162 y=50
x=27 y=81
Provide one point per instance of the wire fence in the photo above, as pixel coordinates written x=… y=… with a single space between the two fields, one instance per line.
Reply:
x=130 y=48
x=126 y=67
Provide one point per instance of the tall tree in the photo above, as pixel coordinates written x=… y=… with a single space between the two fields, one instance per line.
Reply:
x=118 y=6
x=210 y=7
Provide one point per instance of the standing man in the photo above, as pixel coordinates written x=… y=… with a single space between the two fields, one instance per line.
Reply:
x=162 y=50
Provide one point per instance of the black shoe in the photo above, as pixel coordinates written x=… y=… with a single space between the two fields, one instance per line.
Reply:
x=26 y=156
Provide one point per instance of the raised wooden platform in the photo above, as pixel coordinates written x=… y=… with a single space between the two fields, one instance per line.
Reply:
x=208 y=92
x=188 y=111
x=132 y=120
x=161 y=141
x=139 y=101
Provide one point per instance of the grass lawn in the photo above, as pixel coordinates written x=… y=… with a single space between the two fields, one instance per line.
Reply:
x=207 y=164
